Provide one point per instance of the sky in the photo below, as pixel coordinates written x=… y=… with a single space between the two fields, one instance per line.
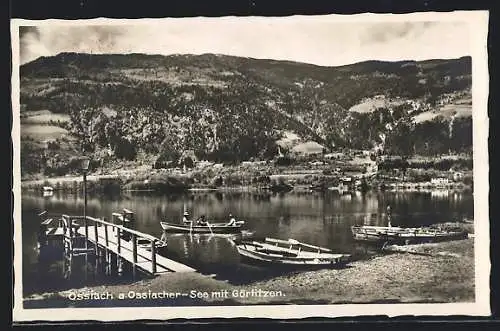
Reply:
x=320 y=40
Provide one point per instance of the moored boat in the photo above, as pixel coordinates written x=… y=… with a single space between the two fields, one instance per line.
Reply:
x=289 y=253
x=403 y=235
x=209 y=228
x=146 y=244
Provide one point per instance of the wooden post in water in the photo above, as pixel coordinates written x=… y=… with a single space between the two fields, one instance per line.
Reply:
x=134 y=253
x=71 y=235
x=96 y=237
x=68 y=220
x=107 y=259
x=118 y=249
x=118 y=238
x=97 y=258
x=86 y=224
x=113 y=265
x=106 y=239
x=153 y=256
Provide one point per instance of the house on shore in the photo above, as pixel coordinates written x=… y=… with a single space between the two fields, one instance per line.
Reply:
x=334 y=156
x=308 y=148
x=440 y=182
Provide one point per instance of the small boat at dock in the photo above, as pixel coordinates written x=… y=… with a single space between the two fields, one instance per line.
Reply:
x=214 y=228
x=146 y=244
x=289 y=253
x=401 y=235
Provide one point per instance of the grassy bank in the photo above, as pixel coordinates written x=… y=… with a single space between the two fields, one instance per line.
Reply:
x=445 y=273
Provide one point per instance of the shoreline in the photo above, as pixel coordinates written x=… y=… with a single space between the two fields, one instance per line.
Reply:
x=67 y=184
x=445 y=273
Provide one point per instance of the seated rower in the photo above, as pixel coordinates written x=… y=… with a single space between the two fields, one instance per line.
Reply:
x=202 y=220
x=232 y=220
x=185 y=218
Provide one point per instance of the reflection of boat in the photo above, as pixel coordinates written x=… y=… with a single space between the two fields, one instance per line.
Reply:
x=209 y=228
x=280 y=187
x=318 y=187
x=406 y=235
x=289 y=253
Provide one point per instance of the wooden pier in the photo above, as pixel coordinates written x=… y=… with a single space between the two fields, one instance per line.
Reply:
x=83 y=235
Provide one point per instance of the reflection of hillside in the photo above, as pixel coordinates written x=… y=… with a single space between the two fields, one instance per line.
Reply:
x=360 y=204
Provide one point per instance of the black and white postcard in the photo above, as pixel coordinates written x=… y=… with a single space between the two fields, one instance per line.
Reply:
x=270 y=167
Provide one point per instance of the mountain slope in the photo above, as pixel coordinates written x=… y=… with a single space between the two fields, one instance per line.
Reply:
x=226 y=107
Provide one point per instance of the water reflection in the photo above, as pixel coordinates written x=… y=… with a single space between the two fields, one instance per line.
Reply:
x=319 y=219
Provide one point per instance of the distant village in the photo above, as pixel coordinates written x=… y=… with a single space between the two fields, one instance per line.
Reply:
x=308 y=165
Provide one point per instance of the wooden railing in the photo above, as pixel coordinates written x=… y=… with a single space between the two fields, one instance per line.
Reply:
x=70 y=229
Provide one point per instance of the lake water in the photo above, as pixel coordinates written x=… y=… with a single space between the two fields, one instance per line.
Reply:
x=315 y=218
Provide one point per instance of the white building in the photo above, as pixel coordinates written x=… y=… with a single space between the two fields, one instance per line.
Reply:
x=439 y=181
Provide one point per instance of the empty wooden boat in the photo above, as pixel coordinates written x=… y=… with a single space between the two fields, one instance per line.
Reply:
x=406 y=235
x=291 y=253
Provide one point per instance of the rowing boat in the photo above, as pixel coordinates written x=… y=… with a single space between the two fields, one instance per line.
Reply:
x=160 y=244
x=146 y=244
x=209 y=228
x=291 y=253
x=405 y=235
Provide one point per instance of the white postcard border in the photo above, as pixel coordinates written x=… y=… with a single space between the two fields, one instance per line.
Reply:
x=478 y=21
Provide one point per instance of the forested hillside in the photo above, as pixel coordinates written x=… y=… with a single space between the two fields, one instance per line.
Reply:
x=226 y=108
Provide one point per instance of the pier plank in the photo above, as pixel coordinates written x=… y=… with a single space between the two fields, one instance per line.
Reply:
x=163 y=264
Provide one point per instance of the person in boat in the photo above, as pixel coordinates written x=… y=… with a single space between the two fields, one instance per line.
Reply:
x=389 y=215
x=185 y=218
x=202 y=221
x=232 y=220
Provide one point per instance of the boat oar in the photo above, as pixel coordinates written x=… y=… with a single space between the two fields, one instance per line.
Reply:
x=210 y=228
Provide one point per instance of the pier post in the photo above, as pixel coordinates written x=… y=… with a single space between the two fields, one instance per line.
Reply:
x=119 y=265
x=69 y=227
x=86 y=225
x=134 y=254
x=118 y=238
x=96 y=237
x=71 y=235
x=42 y=230
x=112 y=264
x=97 y=260
x=106 y=239
x=85 y=163
x=153 y=256
x=107 y=259
x=86 y=266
